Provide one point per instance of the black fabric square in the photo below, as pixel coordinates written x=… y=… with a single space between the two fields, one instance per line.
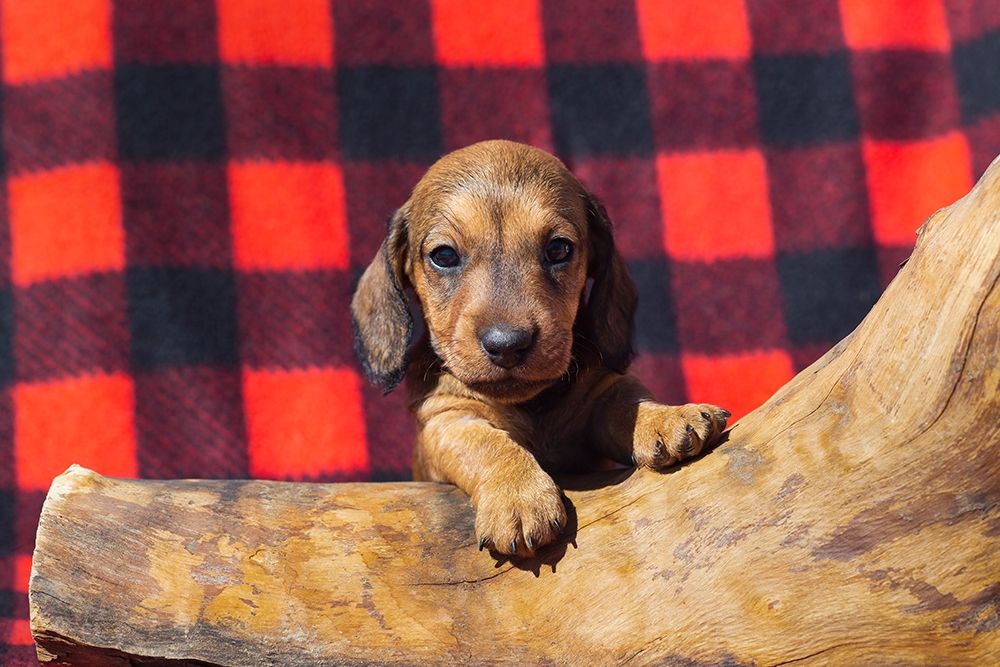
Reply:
x=182 y=317
x=7 y=513
x=655 y=319
x=977 y=71
x=189 y=423
x=8 y=602
x=6 y=336
x=389 y=112
x=8 y=470
x=827 y=292
x=600 y=109
x=295 y=320
x=805 y=99
x=72 y=326
x=169 y=111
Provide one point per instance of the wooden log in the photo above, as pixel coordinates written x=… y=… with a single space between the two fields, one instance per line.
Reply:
x=852 y=519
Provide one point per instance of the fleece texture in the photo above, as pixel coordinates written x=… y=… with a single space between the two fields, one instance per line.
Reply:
x=191 y=188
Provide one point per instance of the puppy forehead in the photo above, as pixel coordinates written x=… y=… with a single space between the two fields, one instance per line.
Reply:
x=507 y=214
x=496 y=187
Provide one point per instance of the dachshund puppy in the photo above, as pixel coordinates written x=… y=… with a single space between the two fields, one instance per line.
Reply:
x=528 y=310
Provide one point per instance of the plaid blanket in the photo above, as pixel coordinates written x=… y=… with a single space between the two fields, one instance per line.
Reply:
x=192 y=187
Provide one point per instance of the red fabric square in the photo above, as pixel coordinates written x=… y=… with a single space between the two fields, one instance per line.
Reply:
x=43 y=40
x=907 y=181
x=715 y=205
x=85 y=420
x=66 y=221
x=737 y=383
x=261 y=31
x=19 y=633
x=693 y=29
x=917 y=24
x=288 y=215
x=304 y=423
x=22 y=573
x=487 y=33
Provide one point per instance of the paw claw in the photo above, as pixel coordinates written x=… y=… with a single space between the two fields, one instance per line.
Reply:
x=666 y=434
x=516 y=521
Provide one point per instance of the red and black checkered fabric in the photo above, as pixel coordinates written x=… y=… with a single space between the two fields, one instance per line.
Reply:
x=192 y=187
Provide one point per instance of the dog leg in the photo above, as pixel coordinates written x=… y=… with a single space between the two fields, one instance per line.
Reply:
x=518 y=506
x=632 y=428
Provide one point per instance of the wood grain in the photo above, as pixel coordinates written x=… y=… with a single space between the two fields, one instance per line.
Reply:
x=852 y=519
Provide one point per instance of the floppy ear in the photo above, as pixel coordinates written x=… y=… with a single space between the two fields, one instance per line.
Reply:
x=608 y=316
x=383 y=325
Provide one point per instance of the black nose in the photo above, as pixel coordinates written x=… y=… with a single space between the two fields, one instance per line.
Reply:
x=506 y=345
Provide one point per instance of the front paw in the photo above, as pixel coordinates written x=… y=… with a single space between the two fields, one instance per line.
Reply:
x=516 y=515
x=666 y=434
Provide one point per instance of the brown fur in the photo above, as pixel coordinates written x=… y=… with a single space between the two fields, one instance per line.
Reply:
x=497 y=433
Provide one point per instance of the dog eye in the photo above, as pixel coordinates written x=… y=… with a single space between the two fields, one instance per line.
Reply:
x=558 y=251
x=444 y=257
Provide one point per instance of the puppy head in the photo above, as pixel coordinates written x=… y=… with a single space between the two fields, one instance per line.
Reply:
x=498 y=241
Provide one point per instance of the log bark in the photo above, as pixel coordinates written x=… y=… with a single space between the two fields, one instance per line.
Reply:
x=852 y=519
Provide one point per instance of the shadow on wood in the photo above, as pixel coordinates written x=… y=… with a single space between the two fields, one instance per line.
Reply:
x=852 y=519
